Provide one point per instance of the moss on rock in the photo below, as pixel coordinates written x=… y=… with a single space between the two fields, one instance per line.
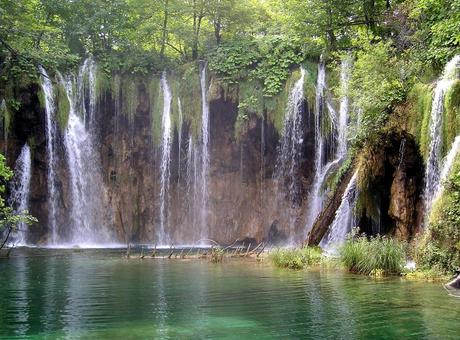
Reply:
x=62 y=106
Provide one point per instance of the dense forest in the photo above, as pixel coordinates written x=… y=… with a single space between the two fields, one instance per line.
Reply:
x=398 y=48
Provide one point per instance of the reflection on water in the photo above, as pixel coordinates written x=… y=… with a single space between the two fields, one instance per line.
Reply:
x=98 y=294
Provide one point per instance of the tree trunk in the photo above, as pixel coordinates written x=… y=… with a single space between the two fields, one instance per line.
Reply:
x=165 y=30
x=217 y=31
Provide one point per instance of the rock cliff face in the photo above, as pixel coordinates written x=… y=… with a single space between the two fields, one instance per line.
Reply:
x=246 y=200
x=389 y=201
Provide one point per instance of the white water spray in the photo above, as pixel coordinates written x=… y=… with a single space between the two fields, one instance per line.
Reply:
x=345 y=71
x=290 y=151
x=321 y=171
x=433 y=168
x=179 y=136
x=165 y=161
x=88 y=215
x=86 y=88
x=447 y=166
x=204 y=154
x=344 y=219
x=20 y=189
x=51 y=131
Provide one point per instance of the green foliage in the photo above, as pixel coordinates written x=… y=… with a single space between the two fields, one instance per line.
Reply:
x=379 y=81
x=296 y=258
x=441 y=245
x=267 y=60
x=420 y=100
x=217 y=255
x=5 y=117
x=129 y=96
x=189 y=91
x=156 y=107
x=451 y=123
x=62 y=106
x=336 y=177
x=439 y=29
x=375 y=256
x=232 y=60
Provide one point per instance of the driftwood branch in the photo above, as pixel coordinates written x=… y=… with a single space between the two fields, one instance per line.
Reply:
x=7 y=237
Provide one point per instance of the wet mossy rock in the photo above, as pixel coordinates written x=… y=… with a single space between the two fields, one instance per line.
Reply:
x=389 y=183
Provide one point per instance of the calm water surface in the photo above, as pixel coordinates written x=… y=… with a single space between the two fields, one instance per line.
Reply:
x=97 y=294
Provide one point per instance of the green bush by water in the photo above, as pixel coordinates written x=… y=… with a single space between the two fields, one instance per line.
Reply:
x=375 y=256
x=296 y=258
x=439 y=247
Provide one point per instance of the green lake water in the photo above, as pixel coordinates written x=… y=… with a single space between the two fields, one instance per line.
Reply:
x=98 y=294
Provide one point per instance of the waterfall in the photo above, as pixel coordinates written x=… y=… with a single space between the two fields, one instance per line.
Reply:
x=165 y=160
x=262 y=160
x=51 y=131
x=86 y=85
x=204 y=154
x=290 y=151
x=20 y=187
x=87 y=212
x=321 y=171
x=345 y=70
x=344 y=218
x=433 y=170
x=189 y=182
x=179 y=137
x=447 y=166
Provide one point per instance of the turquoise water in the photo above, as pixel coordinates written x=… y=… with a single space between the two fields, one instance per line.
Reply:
x=98 y=294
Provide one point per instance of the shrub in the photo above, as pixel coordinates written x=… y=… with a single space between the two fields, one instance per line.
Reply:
x=440 y=246
x=378 y=255
x=217 y=255
x=296 y=258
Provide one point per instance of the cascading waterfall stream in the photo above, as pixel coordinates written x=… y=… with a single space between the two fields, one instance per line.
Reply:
x=179 y=137
x=291 y=142
x=345 y=70
x=204 y=155
x=86 y=85
x=20 y=188
x=290 y=147
x=51 y=131
x=433 y=169
x=87 y=213
x=447 y=166
x=165 y=161
x=321 y=171
x=315 y=196
x=344 y=218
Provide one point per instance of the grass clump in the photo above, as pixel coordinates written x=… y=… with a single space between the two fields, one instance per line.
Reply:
x=217 y=255
x=296 y=258
x=378 y=255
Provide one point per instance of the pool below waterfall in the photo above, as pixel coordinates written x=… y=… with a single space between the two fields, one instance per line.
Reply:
x=99 y=294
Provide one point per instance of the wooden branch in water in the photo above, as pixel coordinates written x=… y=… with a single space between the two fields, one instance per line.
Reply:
x=247 y=251
x=9 y=251
x=154 y=252
x=254 y=250
x=262 y=250
x=231 y=245
x=172 y=251
x=6 y=238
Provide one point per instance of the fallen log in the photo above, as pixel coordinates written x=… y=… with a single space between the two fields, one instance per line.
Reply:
x=327 y=215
